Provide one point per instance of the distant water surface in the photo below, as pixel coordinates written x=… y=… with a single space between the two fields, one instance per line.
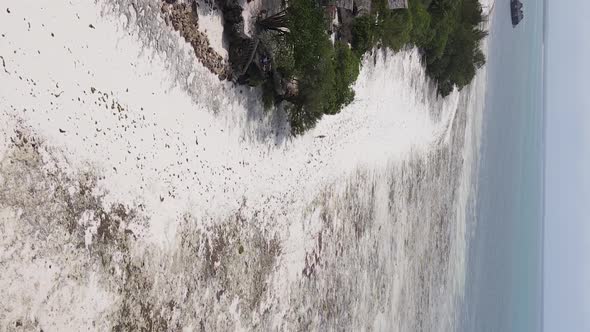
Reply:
x=503 y=285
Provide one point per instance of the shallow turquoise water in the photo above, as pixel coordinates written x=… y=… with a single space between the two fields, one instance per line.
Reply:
x=504 y=280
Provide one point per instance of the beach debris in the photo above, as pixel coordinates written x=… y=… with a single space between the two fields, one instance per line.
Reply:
x=184 y=18
x=4 y=65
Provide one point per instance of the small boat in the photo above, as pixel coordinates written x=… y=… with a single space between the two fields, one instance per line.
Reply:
x=516 y=12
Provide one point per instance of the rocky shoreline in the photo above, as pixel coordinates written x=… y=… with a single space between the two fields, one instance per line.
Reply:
x=246 y=56
x=184 y=18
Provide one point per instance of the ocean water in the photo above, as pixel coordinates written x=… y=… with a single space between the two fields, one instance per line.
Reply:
x=504 y=270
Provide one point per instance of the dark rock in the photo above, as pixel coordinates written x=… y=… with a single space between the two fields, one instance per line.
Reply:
x=219 y=294
x=184 y=19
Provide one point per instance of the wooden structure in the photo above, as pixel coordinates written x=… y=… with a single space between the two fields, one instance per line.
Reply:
x=397 y=4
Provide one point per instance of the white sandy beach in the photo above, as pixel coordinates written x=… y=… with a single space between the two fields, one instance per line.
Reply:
x=107 y=91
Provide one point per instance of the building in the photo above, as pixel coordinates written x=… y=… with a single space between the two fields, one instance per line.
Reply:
x=397 y=4
x=345 y=4
x=330 y=12
x=362 y=7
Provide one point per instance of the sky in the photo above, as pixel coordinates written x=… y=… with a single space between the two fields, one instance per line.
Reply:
x=567 y=192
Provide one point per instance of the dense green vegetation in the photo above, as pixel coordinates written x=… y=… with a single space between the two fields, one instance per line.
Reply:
x=447 y=33
x=324 y=72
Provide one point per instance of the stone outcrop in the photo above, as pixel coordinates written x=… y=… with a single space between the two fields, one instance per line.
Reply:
x=249 y=60
x=184 y=18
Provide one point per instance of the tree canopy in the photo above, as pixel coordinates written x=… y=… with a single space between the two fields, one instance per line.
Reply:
x=323 y=71
x=447 y=33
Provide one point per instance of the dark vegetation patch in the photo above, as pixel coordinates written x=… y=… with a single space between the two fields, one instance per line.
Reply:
x=292 y=58
x=199 y=279
x=50 y=197
x=349 y=273
x=193 y=283
x=316 y=76
x=343 y=255
x=184 y=18
x=447 y=33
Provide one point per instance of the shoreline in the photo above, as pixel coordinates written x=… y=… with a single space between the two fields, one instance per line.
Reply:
x=184 y=18
x=221 y=229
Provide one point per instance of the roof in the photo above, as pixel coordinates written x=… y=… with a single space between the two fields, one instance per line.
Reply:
x=346 y=4
x=363 y=7
x=396 y=4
